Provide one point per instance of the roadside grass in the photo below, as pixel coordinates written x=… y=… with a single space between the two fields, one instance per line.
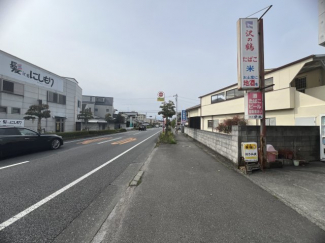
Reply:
x=167 y=138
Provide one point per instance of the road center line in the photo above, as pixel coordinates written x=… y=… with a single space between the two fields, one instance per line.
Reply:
x=53 y=195
x=109 y=140
x=1 y=168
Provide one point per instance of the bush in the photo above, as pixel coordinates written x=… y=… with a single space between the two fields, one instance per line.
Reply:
x=167 y=138
x=226 y=125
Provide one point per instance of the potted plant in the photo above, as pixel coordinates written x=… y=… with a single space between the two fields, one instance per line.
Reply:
x=297 y=156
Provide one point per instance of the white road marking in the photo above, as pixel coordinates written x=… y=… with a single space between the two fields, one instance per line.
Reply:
x=53 y=195
x=1 y=168
x=137 y=133
x=109 y=140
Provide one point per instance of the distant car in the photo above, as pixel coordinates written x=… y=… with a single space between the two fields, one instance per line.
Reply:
x=142 y=128
x=15 y=140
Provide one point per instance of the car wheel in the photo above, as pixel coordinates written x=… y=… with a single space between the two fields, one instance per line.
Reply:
x=55 y=144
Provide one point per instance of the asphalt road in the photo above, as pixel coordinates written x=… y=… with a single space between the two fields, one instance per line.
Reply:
x=65 y=195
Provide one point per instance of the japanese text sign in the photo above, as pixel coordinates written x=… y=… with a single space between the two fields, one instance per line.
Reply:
x=183 y=116
x=249 y=151
x=253 y=105
x=247 y=56
x=25 y=72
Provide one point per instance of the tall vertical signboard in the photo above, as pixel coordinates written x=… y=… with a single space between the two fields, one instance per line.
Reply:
x=247 y=56
x=321 y=22
x=322 y=137
x=183 y=116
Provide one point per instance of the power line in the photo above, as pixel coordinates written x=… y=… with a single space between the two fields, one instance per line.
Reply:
x=186 y=98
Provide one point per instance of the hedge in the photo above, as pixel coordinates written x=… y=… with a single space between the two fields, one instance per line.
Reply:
x=79 y=134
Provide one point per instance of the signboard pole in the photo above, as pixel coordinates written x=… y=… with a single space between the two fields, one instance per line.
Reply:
x=262 y=85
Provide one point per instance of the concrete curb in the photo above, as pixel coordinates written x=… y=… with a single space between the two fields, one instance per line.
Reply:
x=136 y=180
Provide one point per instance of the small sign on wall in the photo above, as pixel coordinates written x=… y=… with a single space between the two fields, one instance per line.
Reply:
x=10 y=122
x=253 y=105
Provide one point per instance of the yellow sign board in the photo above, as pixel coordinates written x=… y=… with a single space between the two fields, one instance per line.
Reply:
x=249 y=151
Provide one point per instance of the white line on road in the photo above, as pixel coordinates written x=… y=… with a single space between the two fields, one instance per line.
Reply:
x=136 y=133
x=1 y=168
x=53 y=195
x=109 y=140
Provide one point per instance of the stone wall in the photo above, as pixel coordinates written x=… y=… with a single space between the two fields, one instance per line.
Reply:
x=224 y=144
x=303 y=139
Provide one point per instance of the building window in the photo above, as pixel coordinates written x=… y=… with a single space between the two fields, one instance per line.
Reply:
x=268 y=82
x=15 y=110
x=52 y=97
x=107 y=110
x=8 y=86
x=234 y=93
x=218 y=98
x=96 y=109
x=79 y=103
x=270 y=121
x=56 y=98
x=100 y=99
x=3 y=109
x=300 y=84
x=12 y=87
x=210 y=123
x=62 y=99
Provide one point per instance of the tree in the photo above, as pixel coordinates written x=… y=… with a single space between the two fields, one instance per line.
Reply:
x=167 y=110
x=119 y=119
x=85 y=115
x=38 y=111
x=108 y=117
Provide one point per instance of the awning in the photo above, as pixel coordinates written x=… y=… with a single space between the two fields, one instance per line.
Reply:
x=96 y=121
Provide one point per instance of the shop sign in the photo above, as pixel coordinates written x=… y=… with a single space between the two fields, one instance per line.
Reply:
x=10 y=122
x=17 y=69
x=247 y=56
x=161 y=96
x=249 y=152
x=253 y=105
x=183 y=116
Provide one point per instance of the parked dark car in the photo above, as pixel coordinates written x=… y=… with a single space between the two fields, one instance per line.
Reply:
x=15 y=140
x=142 y=128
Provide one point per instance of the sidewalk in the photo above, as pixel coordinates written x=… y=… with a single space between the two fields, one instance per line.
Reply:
x=302 y=188
x=186 y=195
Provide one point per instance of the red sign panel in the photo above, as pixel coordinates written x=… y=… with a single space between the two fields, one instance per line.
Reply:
x=253 y=105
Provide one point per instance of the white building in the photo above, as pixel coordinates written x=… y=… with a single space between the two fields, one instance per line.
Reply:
x=100 y=107
x=23 y=84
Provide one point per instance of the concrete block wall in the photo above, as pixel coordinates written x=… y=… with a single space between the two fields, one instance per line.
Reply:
x=304 y=139
x=224 y=144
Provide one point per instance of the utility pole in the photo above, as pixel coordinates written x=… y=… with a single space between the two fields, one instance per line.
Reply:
x=176 y=96
x=262 y=88
x=263 y=154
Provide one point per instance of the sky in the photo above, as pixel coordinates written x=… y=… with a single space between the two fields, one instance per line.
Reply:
x=131 y=50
